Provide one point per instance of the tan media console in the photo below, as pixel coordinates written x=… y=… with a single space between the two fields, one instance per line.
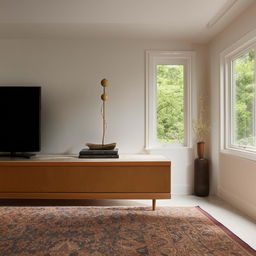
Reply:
x=68 y=177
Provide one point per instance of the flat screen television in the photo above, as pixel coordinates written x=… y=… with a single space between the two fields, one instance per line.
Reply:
x=20 y=120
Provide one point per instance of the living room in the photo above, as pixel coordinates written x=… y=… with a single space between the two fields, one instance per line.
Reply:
x=68 y=47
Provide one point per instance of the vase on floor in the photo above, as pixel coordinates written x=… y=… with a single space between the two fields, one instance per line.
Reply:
x=201 y=172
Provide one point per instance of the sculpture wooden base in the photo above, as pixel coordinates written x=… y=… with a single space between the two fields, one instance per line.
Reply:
x=101 y=146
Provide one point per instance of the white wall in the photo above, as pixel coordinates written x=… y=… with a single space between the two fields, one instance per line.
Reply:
x=234 y=178
x=70 y=71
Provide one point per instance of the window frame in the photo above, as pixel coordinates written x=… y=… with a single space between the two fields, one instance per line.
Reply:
x=245 y=44
x=154 y=58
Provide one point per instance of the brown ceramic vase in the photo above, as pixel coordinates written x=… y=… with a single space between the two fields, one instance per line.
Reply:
x=200 y=149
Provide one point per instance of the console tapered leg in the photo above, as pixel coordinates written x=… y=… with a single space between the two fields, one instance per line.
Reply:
x=153 y=204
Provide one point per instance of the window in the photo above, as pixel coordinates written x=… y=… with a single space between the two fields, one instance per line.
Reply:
x=243 y=127
x=170 y=103
x=238 y=77
x=168 y=87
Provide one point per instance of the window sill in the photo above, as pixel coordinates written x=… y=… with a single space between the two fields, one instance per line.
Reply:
x=167 y=148
x=239 y=153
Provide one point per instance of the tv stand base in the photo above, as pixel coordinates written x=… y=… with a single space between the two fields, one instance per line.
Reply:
x=64 y=177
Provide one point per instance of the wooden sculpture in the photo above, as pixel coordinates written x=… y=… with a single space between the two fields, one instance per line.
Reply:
x=104 y=97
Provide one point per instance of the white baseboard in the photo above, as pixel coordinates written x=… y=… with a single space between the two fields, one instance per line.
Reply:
x=239 y=203
x=181 y=189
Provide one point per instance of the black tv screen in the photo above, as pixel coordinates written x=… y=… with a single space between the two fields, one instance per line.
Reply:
x=20 y=118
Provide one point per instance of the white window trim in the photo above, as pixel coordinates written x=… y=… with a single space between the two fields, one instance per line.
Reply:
x=241 y=46
x=168 y=57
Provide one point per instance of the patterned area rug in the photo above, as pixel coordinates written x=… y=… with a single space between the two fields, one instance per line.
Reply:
x=112 y=231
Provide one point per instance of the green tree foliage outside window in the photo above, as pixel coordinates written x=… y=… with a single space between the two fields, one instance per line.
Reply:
x=170 y=103
x=244 y=100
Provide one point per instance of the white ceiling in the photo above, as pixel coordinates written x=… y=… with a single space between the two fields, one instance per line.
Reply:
x=146 y=19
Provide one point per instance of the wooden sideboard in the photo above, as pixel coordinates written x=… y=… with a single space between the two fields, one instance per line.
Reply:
x=68 y=177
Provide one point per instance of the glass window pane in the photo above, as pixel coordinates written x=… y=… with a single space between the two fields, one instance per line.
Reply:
x=170 y=103
x=244 y=99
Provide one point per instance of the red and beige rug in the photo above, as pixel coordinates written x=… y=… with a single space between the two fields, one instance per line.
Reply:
x=112 y=231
